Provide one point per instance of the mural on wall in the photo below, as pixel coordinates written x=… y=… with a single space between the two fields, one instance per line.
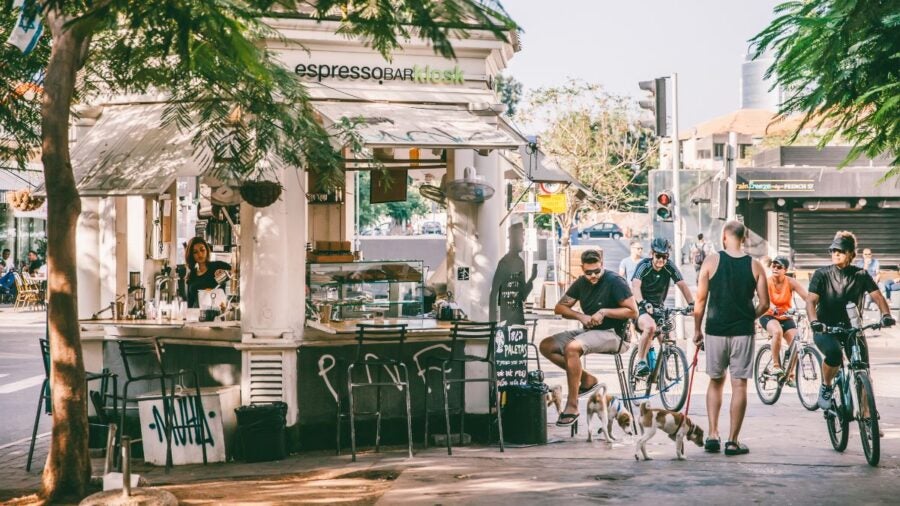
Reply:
x=509 y=288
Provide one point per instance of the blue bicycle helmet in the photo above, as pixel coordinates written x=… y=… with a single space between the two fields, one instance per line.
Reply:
x=659 y=245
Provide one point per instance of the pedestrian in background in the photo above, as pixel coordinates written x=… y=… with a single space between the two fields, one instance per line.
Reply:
x=629 y=263
x=871 y=265
x=726 y=285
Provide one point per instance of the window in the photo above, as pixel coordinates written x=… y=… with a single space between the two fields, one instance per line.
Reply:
x=744 y=150
x=703 y=154
x=718 y=150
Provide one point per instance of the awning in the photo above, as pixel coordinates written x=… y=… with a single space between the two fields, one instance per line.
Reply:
x=130 y=152
x=413 y=125
x=14 y=179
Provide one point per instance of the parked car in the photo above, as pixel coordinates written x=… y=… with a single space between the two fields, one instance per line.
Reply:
x=432 y=227
x=600 y=230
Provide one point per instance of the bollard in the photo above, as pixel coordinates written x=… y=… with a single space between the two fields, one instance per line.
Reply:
x=126 y=466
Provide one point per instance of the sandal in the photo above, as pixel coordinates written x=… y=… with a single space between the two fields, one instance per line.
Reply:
x=712 y=445
x=735 y=448
x=566 y=419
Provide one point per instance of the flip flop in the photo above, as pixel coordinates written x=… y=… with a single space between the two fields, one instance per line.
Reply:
x=588 y=390
x=567 y=419
x=735 y=448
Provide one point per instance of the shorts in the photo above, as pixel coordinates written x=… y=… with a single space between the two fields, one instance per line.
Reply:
x=732 y=352
x=786 y=324
x=832 y=347
x=641 y=312
x=592 y=341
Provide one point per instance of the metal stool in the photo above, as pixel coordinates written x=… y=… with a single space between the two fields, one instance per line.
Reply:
x=384 y=335
x=44 y=398
x=141 y=352
x=462 y=332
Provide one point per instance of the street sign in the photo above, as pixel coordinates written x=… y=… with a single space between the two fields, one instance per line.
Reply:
x=554 y=204
x=527 y=207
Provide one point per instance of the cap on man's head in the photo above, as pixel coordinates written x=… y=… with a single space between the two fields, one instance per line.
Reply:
x=782 y=261
x=843 y=241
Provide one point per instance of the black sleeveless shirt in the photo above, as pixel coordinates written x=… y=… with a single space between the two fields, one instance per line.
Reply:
x=730 y=310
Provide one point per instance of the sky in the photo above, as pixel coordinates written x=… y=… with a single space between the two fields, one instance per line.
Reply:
x=618 y=43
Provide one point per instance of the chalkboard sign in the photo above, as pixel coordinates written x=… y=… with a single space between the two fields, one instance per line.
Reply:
x=511 y=355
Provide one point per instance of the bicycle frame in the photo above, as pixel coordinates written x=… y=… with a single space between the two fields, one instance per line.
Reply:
x=665 y=324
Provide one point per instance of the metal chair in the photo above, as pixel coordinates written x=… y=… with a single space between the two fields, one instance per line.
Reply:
x=44 y=398
x=143 y=352
x=462 y=333
x=397 y=369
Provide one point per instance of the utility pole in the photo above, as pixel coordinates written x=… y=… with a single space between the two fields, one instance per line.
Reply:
x=676 y=207
x=731 y=170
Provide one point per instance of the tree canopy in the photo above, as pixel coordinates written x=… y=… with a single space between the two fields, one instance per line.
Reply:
x=837 y=63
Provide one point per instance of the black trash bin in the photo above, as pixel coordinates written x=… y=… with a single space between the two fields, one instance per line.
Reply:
x=525 y=415
x=261 y=431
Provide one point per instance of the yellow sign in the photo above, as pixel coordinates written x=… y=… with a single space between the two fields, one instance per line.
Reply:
x=555 y=203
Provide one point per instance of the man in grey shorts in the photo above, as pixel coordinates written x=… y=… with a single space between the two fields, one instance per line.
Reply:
x=606 y=305
x=729 y=279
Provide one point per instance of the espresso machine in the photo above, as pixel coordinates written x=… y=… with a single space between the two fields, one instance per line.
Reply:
x=136 y=297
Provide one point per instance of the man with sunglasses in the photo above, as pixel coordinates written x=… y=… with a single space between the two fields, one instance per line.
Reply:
x=650 y=285
x=830 y=290
x=606 y=305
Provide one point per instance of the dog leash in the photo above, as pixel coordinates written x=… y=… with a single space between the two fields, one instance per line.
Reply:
x=693 y=369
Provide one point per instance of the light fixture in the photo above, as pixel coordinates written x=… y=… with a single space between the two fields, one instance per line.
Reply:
x=861 y=203
x=823 y=205
x=780 y=202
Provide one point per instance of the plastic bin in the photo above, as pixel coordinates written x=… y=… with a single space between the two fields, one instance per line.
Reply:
x=525 y=415
x=261 y=431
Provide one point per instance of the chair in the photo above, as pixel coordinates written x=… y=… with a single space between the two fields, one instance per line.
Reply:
x=383 y=335
x=26 y=294
x=44 y=398
x=142 y=352
x=462 y=333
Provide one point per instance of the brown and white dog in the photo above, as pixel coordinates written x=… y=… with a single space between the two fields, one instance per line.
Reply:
x=554 y=397
x=601 y=404
x=676 y=425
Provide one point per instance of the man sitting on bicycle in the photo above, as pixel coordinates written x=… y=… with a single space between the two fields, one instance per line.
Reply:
x=650 y=285
x=830 y=290
x=777 y=322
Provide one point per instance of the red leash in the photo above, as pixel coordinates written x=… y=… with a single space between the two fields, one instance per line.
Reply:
x=693 y=369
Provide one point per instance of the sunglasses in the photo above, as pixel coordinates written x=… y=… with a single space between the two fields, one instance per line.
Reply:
x=777 y=266
x=663 y=256
x=593 y=272
x=833 y=251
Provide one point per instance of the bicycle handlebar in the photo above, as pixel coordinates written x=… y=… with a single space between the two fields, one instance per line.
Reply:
x=846 y=332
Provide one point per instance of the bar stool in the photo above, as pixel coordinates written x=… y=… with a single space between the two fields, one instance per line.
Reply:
x=44 y=399
x=383 y=335
x=143 y=352
x=462 y=332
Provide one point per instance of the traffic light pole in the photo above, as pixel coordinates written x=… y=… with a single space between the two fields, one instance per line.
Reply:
x=676 y=206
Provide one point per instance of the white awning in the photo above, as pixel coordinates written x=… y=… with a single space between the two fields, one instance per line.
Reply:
x=413 y=125
x=14 y=179
x=130 y=152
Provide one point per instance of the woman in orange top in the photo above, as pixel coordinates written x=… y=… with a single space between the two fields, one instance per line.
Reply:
x=776 y=321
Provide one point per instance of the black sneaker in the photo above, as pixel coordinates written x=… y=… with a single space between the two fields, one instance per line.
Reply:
x=642 y=368
x=825 y=394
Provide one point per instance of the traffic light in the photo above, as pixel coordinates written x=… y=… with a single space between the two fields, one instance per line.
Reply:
x=656 y=105
x=666 y=201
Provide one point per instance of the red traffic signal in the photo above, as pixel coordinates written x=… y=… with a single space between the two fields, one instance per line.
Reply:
x=666 y=200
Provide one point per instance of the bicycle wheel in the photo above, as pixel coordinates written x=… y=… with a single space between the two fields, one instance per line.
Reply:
x=867 y=416
x=673 y=378
x=808 y=376
x=639 y=386
x=767 y=385
x=837 y=419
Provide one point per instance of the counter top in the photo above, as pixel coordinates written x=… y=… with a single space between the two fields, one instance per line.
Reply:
x=415 y=326
x=153 y=324
x=176 y=332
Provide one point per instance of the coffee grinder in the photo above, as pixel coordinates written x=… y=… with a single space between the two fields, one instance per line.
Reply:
x=136 y=301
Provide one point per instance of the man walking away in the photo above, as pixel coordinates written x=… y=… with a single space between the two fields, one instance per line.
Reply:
x=699 y=252
x=606 y=305
x=728 y=279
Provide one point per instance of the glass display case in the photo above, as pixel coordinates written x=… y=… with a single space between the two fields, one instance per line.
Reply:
x=389 y=288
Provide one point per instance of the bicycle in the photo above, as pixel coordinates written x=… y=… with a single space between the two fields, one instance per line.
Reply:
x=841 y=413
x=802 y=357
x=668 y=370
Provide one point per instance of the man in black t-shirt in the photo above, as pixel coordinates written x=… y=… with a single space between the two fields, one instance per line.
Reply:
x=650 y=285
x=606 y=305
x=830 y=290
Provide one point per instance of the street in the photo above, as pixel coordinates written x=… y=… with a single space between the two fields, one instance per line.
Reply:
x=21 y=373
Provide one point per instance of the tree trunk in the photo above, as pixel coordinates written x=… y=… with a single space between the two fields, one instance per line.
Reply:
x=68 y=470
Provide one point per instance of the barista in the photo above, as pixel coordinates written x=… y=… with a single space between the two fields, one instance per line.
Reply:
x=202 y=272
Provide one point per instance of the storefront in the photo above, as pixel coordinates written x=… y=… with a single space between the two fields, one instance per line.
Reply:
x=418 y=112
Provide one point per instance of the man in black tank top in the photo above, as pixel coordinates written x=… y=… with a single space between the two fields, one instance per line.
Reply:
x=729 y=279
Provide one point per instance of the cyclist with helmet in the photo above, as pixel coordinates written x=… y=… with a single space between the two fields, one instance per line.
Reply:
x=776 y=321
x=650 y=285
x=830 y=290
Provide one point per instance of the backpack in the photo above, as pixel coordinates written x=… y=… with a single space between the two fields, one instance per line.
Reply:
x=699 y=254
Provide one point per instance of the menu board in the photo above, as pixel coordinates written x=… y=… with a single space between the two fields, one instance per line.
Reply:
x=511 y=355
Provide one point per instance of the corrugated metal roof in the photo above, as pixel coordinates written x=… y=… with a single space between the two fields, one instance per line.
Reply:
x=130 y=152
x=14 y=179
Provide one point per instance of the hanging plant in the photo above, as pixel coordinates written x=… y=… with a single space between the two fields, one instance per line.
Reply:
x=23 y=200
x=261 y=193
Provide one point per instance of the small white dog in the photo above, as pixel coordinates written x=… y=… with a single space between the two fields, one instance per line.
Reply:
x=676 y=425
x=601 y=404
x=554 y=397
